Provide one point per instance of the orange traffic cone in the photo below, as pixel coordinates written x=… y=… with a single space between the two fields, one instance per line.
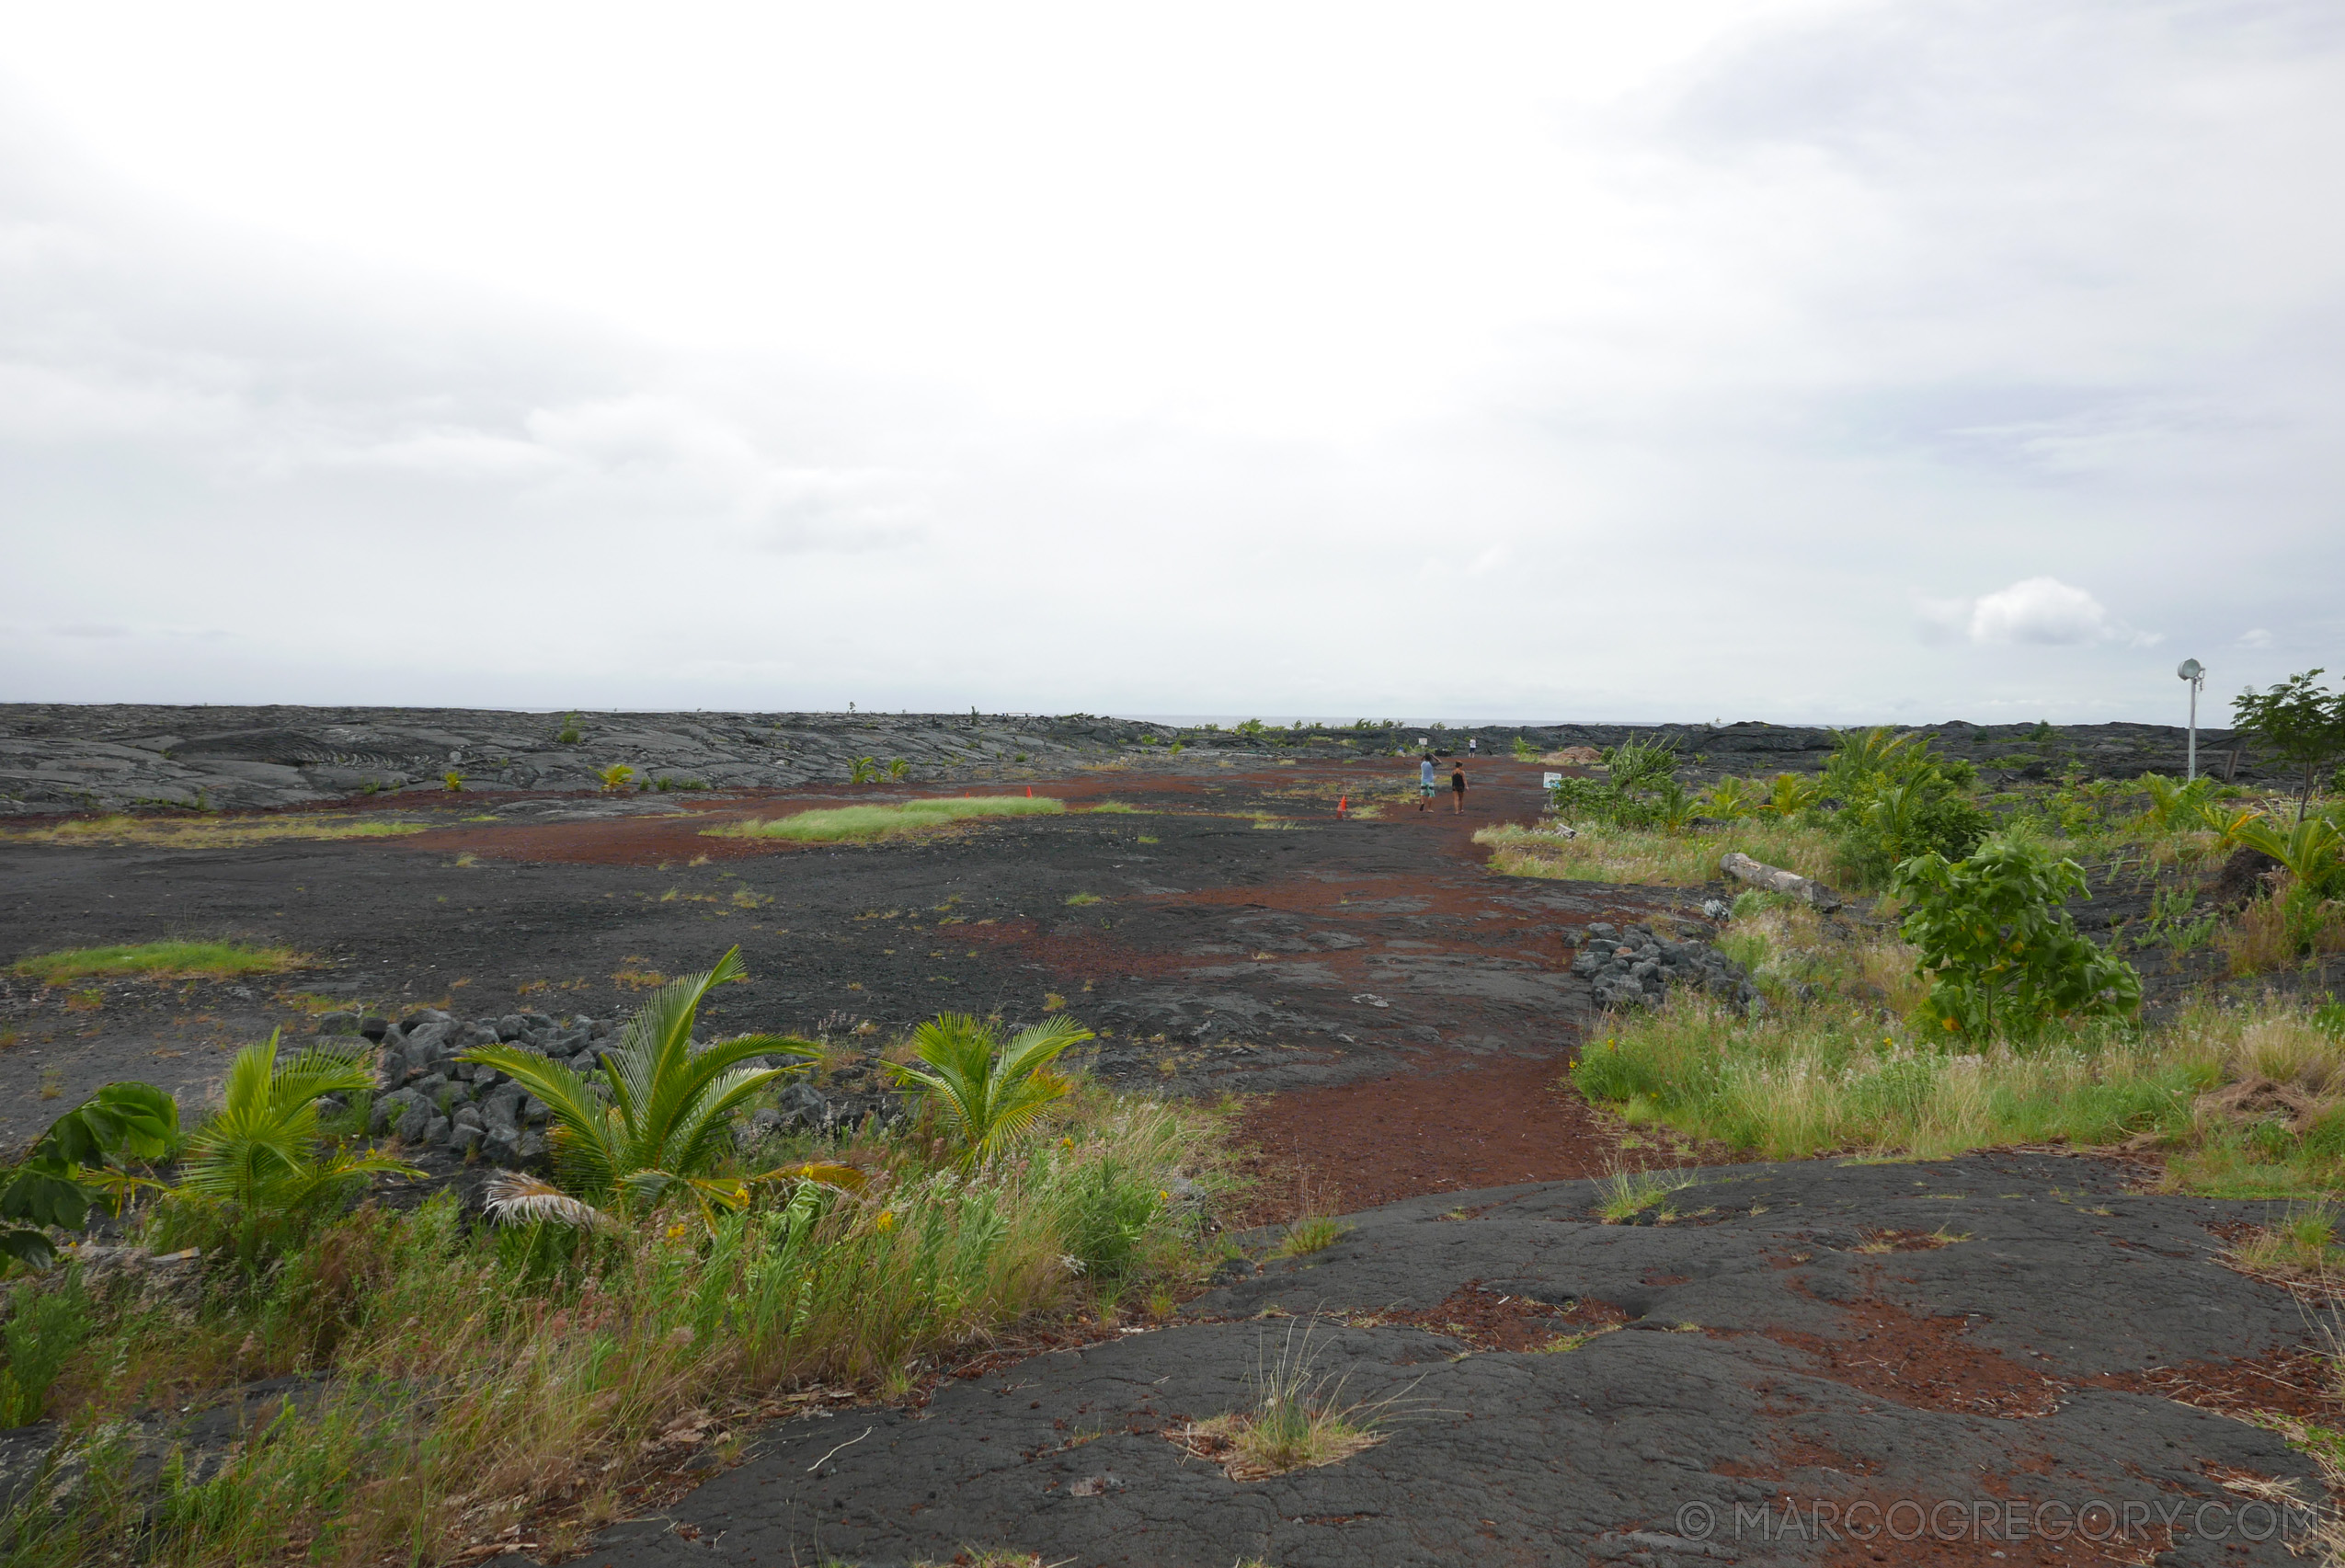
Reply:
x=1029 y=792
x=1340 y=801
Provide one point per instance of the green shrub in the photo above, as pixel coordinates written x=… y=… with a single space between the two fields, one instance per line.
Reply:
x=1899 y=799
x=2174 y=804
x=1640 y=789
x=1900 y=821
x=2002 y=956
x=78 y=1159
x=2312 y=848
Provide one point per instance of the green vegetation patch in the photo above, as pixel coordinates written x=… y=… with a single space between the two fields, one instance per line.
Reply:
x=887 y=821
x=160 y=960
x=208 y=833
x=606 y=1309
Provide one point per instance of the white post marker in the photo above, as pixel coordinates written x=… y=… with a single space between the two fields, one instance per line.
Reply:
x=2191 y=670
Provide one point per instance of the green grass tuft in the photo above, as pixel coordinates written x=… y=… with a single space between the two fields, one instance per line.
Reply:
x=1312 y=1233
x=848 y=823
x=161 y=960
x=1631 y=1193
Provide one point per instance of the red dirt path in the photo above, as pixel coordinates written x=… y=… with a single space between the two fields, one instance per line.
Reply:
x=1484 y=1124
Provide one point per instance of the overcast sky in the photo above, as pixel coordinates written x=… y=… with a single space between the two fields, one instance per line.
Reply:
x=1779 y=358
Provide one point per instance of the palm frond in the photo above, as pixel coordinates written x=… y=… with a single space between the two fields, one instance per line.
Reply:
x=702 y=1132
x=583 y=1139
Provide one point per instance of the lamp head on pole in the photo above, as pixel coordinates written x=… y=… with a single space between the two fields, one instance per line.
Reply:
x=2191 y=669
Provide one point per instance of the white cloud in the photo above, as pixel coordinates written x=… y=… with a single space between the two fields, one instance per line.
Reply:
x=2041 y=610
x=2254 y=637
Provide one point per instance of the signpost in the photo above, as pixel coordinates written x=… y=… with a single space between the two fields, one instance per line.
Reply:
x=2191 y=669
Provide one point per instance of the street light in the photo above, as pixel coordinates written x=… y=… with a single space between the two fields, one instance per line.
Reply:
x=2191 y=669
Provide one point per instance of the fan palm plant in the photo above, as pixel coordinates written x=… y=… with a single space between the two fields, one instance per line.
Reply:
x=2173 y=804
x=655 y=1118
x=1732 y=798
x=1787 y=795
x=2229 y=824
x=260 y=1163
x=2313 y=848
x=987 y=1091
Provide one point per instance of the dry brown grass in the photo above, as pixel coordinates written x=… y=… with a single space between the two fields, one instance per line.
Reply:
x=1597 y=854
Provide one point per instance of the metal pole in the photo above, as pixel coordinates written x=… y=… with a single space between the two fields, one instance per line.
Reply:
x=2192 y=770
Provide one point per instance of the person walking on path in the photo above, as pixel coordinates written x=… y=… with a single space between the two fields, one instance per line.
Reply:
x=1425 y=782
x=1457 y=789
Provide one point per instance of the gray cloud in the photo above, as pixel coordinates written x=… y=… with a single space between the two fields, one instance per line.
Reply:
x=1808 y=343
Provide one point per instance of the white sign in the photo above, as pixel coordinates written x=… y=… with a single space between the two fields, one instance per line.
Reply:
x=1549 y=781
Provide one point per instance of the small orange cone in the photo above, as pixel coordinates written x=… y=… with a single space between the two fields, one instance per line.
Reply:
x=1029 y=792
x=1340 y=801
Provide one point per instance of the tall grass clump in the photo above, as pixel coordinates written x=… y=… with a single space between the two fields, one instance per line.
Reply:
x=1830 y=1078
x=852 y=822
x=1653 y=856
x=2243 y=1100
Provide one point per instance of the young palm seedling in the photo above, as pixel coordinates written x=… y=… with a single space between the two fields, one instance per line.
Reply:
x=652 y=1124
x=259 y=1169
x=986 y=1091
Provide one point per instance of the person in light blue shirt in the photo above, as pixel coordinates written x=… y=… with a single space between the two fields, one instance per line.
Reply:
x=1424 y=783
